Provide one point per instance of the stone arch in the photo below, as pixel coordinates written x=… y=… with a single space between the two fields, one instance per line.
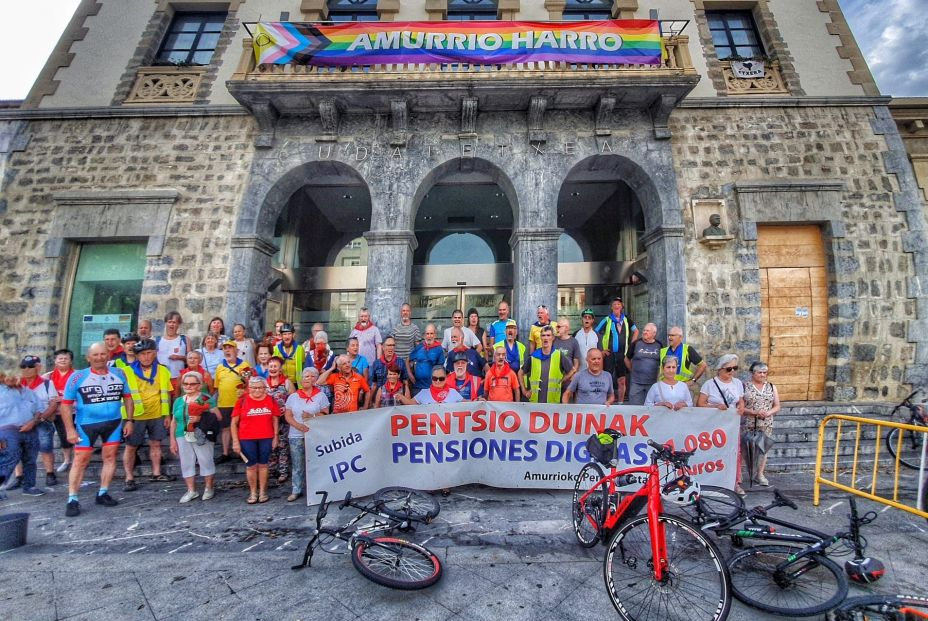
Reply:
x=658 y=209
x=267 y=199
x=464 y=164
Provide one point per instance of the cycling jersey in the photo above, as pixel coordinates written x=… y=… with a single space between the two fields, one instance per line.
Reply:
x=96 y=397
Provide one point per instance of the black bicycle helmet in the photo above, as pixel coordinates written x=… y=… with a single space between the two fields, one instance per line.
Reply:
x=145 y=345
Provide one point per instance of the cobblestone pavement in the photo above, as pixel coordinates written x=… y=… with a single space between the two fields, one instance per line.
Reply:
x=508 y=554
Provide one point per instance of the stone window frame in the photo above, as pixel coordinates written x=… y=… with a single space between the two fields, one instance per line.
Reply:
x=318 y=10
x=506 y=10
x=771 y=39
x=81 y=217
x=154 y=34
x=770 y=202
x=621 y=9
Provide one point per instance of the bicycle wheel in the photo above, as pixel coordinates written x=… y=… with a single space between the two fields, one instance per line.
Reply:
x=911 y=454
x=589 y=516
x=403 y=503
x=396 y=563
x=715 y=504
x=809 y=586
x=695 y=586
x=876 y=607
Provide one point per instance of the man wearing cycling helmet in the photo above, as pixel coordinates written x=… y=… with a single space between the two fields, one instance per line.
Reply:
x=150 y=384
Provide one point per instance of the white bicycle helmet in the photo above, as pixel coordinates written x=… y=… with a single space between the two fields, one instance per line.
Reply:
x=681 y=491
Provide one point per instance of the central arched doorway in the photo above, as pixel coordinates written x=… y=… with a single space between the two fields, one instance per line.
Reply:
x=323 y=254
x=463 y=224
x=600 y=252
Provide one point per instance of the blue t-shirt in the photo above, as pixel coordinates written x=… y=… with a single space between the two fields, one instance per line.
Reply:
x=96 y=397
x=497 y=330
x=425 y=359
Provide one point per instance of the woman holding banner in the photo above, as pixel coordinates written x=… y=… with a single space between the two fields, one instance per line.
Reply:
x=725 y=392
x=302 y=406
x=668 y=392
x=438 y=392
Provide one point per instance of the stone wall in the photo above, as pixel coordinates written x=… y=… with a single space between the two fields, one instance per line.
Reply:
x=869 y=268
x=206 y=159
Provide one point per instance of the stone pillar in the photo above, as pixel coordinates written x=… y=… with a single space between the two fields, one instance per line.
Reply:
x=666 y=274
x=250 y=277
x=389 y=272
x=534 y=257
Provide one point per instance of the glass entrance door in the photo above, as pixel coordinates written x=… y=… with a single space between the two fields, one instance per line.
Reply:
x=436 y=305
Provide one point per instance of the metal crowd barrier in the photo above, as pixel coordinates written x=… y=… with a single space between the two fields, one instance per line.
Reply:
x=844 y=472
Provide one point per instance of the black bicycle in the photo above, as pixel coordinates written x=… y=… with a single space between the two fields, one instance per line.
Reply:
x=903 y=443
x=794 y=577
x=378 y=556
x=881 y=607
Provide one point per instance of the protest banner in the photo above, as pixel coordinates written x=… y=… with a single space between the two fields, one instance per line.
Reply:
x=508 y=445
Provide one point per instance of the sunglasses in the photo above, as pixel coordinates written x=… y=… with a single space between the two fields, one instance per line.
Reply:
x=437 y=378
x=191 y=383
x=730 y=369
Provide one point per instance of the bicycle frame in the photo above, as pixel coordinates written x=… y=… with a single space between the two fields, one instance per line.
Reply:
x=381 y=523
x=650 y=494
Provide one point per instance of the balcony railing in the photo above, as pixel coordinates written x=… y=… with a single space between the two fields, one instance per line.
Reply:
x=166 y=85
x=677 y=61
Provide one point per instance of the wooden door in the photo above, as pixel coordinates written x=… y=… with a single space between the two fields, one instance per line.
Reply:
x=794 y=308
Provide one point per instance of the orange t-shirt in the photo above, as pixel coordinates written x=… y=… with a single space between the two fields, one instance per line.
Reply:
x=499 y=387
x=347 y=391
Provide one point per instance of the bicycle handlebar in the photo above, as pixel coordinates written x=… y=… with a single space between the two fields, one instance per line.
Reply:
x=345 y=502
x=677 y=458
x=323 y=508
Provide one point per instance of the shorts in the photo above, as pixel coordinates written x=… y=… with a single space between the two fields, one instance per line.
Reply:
x=258 y=452
x=110 y=431
x=226 y=421
x=153 y=426
x=46 y=431
x=615 y=366
x=62 y=433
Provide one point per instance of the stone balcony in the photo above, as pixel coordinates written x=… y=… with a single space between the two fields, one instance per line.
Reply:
x=271 y=91
x=166 y=84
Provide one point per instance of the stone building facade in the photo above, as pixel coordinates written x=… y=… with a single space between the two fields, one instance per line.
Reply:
x=262 y=191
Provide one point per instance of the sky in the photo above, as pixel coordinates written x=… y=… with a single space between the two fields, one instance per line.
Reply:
x=891 y=34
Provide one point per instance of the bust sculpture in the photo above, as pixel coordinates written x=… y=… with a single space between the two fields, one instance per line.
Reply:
x=714 y=229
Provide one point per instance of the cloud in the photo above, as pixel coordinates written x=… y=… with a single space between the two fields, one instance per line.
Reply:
x=891 y=35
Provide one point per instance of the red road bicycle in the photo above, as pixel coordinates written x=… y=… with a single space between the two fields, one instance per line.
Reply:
x=657 y=566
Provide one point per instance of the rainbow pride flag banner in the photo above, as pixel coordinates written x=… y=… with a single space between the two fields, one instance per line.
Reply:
x=635 y=42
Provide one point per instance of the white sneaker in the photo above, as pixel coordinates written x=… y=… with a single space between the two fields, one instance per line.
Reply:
x=189 y=496
x=208 y=493
x=762 y=480
x=63 y=467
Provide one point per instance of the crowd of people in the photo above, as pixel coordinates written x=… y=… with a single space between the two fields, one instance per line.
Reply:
x=254 y=400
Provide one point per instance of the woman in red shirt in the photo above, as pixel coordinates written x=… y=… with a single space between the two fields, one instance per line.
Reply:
x=255 y=421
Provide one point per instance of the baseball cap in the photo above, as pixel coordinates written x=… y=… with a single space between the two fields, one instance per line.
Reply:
x=29 y=362
x=587 y=311
x=459 y=357
x=512 y=322
x=229 y=343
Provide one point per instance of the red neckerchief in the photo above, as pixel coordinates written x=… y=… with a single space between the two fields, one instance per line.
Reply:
x=38 y=379
x=392 y=390
x=505 y=371
x=427 y=347
x=312 y=393
x=439 y=395
x=199 y=370
x=115 y=353
x=319 y=359
x=358 y=327
x=59 y=379
x=384 y=360
x=461 y=348
x=279 y=383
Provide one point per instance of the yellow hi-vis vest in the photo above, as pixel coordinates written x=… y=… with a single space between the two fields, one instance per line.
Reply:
x=163 y=377
x=685 y=371
x=555 y=375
